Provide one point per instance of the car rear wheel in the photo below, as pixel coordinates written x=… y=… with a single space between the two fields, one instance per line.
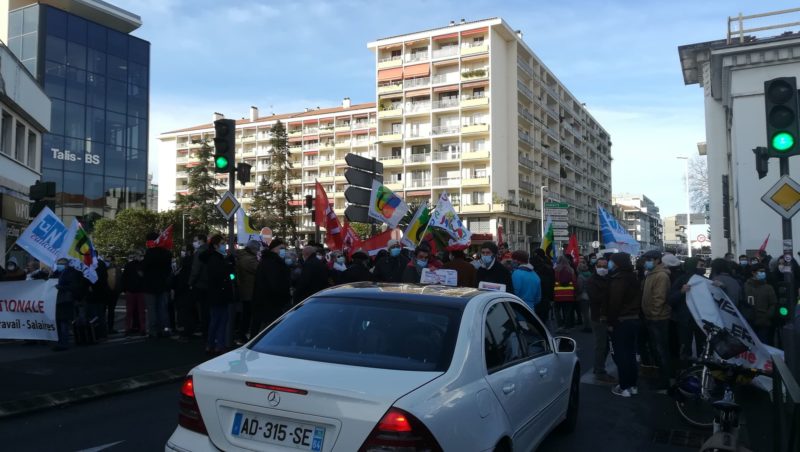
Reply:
x=571 y=421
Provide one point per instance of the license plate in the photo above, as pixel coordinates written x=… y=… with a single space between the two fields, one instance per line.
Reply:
x=272 y=430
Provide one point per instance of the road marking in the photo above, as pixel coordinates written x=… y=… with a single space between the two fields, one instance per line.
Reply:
x=100 y=448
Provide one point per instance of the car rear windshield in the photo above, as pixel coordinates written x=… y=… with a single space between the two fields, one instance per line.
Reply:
x=401 y=335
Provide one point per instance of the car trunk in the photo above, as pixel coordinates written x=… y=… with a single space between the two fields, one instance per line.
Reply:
x=340 y=406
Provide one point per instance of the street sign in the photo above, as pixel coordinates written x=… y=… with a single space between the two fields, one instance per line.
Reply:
x=359 y=214
x=360 y=178
x=556 y=205
x=363 y=163
x=783 y=197
x=560 y=224
x=701 y=238
x=595 y=244
x=357 y=195
x=228 y=205
x=559 y=217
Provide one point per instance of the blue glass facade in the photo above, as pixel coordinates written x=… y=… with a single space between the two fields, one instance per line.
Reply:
x=98 y=81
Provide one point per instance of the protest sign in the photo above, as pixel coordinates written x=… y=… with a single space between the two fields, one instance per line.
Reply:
x=28 y=310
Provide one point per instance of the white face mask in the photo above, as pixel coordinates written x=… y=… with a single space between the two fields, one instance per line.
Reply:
x=602 y=271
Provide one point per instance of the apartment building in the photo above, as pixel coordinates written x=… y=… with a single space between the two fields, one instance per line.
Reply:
x=469 y=109
x=466 y=109
x=641 y=218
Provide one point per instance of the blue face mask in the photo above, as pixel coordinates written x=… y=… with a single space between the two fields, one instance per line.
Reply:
x=611 y=265
x=221 y=249
x=340 y=260
x=422 y=263
x=593 y=261
x=487 y=260
x=649 y=265
x=289 y=262
x=282 y=253
x=514 y=265
x=394 y=252
x=761 y=276
x=60 y=267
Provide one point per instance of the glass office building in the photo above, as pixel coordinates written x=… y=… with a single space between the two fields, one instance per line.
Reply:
x=98 y=80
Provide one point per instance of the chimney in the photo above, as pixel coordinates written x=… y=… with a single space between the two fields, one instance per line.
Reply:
x=346 y=102
x=253 y=113
x=307 y=109
x=217 y=116
x=463 y=21
x=452 y=23
x=519 y=34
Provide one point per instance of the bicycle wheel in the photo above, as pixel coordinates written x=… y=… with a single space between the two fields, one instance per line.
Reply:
x=695 y=396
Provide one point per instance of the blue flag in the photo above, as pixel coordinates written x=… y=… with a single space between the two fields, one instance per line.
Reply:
x=614 y=235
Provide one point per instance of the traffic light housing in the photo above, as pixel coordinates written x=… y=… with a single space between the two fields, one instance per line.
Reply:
x=224 y=146
x=762 y=161
x=780 y=100
x=42 y=194
x=309 y=202
x=243 y=172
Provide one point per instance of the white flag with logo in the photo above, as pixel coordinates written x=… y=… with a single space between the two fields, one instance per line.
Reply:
x=45 y=237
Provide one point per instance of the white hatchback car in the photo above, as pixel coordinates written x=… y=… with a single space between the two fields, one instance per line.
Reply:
x=374 y=367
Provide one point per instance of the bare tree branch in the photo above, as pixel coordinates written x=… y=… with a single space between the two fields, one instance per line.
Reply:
x=698 y=183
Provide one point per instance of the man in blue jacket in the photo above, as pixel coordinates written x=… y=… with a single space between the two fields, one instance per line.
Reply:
x=526 y=282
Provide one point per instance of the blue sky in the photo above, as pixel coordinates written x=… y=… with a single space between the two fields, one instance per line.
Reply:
x=619 y=57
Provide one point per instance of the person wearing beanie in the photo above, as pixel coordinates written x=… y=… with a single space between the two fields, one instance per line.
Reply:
x=466 y=272
x=622 y=309
x=491 y=270
x=357 y=271
x=313 y=276
x=391 y=267
x=272 y=287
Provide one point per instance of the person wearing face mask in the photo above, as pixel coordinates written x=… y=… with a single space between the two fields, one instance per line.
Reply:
x=491 y=270
x=597 y=289
x=686 y=327
x=413 y=271
x=357 y=271
x=157 y=267
x=657 y=313
x=220 y=293
x=527 y=285
x=337 y=268
x=721 y=275
x=391 y=267
x=622 y=309
x=184 y=302
x=272 y=286
x=313 y=277
x=198 y=282
x=246 y=267
x=763 y=303
x=466 y=272
x=13 y=271
x=133 y=288
x=72 y=289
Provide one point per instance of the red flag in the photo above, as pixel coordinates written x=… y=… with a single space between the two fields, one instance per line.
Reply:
x=572 y=248
x=764 y=245
x=164 y=240
x=374 y=244
x=350 y=240
x=325 y=217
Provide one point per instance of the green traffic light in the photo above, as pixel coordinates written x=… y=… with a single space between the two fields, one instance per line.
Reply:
x=782 y=141
x=232 y=276
x=221 y=162
x=783 y=311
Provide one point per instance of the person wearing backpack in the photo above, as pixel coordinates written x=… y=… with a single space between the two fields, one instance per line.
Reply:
x=566 y=281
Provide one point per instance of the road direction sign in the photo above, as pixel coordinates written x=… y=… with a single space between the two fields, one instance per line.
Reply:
x=556 y=205
x=559 y=217
x=783 y=197
x=560 y=224
x=359 y=214
x=228 y=205
x=360 y=178
x=357 y=195
x=363 y=163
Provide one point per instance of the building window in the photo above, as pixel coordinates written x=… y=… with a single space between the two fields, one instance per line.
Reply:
x=32 y=150
x=5 y=134
x=19 y=142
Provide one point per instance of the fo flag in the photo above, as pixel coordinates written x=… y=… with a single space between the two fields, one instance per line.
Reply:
x=385 y=206
x=44 y=237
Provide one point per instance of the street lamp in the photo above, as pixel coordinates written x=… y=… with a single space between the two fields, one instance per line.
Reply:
x=183 y=226
x=688 y=209
x=541 y=192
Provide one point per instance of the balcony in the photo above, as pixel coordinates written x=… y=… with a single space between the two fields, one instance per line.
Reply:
x=417 y=107
x=469 y=100
x=392 y=61
x=180 y=174
x=526 y=162
x=248 y=139
x=390 y=136
x=390 y=88
x=525 y=138
x=446 y=181
x=450 y=102
x=471 y=48
x=419 y=158
x=340 y=162
x=527 y=186
x=392 y=160
x=476 y=180
x=476 y=155
x=295 y=149
x=295 y=181
x=391 y=112
x=326 y=129
x=443 y=156
x=552 y=111
x=342 y=144
x=417 y=57
x=523 y=88
x=475 y=128
x=416 y=134
x=361 y=125
x=295 y=133
x=421 y=82
x=525 y=114
x=327 y=145
x=522 y=64
x=504 y=207
x=181 y=160
x=359 y=143
x=181 y=188
x=444 y=130
x=419 y=183
x=311 y=131
x=442 y=79
x=394 y=186
x=474 y=74
x=310 y=162
x=342 y=128
x=475 y=208
x=445 y=52
x=339 y=179
x=326 y=178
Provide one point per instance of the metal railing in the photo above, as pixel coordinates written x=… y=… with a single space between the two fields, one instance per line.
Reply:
x=415 y=107
x=525 y=90
x=444 y=130
x=446 y=51
x=419 y=158
x=526 y=162
x=470 y=45
x=478 y=95
x=451 y=102
x=447 y=181
x=416 y=82
x=786 y=407
x=391 y=58
x=446 y=155
x=527 y=186
x=417 y=134
x=452 y=77
x=740 y=30
x=525 y=114
x=420 y=183
x=419 y=56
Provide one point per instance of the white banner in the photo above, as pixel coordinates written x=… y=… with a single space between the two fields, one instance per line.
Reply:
x=45 y=237
x=28 y=310
x=709 y=302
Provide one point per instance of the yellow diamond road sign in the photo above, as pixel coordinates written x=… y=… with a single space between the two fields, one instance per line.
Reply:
x=784 y=197
x=228 y=205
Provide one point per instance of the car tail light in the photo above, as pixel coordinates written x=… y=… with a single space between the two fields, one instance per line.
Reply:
x=400 y=431
x=189 y=412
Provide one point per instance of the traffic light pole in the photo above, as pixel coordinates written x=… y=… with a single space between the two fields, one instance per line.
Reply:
x=788 y=278
x=232 y=219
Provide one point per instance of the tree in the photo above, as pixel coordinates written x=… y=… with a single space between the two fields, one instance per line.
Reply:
x=698 y=184
x=199 y=202
x=118 y=237
x=271 y=200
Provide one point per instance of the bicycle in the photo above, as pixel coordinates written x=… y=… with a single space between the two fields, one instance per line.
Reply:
x=704 y=393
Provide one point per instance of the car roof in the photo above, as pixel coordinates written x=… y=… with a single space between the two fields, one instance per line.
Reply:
x=411 y=292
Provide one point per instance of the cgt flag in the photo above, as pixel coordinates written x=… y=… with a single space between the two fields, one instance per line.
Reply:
x=385 y=206
x=164 y=240
x=572 y=249
x=350 y=240
x=325 y=217
x=80 y=252
x=417 y=226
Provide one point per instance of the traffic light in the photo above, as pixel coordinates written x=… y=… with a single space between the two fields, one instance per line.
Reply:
x=43 y=195
x=780 y=100
x=762 y=161
x=243 y=172
x=309 y=201
x=224 y=145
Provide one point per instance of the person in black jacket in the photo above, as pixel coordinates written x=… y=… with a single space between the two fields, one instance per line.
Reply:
x=220 y=293
x=390 y=268
x=72 y=288
x=314 y=276
x=491 y=270
x=272 y=291
x=543 y=268
x=357 y=271
x=133 y=287
x=97 y=301
x=187 y=311
x=157 y=267
x=623 y=307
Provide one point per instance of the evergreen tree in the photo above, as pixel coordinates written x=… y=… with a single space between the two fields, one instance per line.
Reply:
x=271 y=200
x=199 y=202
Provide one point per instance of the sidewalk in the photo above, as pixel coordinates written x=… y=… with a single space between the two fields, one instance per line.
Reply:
x=32 y=377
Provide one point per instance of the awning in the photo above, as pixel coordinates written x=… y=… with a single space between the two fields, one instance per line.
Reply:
x=361 y=115
x=295 y=139
x=447 y=36
x=475 y=84
x=329 y=119
x=310 y=121
x=417 y=70
x=390 y=74
x=419 y=92
x=310 y=152
x=442 y=89
x=311 y=137
x=473 y=58
x=476 y=31
x=360 y=132
x=418 y=193
x=295 y=124
x=339 y=134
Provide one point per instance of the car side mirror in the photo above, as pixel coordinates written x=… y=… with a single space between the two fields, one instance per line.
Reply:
x=565 y=344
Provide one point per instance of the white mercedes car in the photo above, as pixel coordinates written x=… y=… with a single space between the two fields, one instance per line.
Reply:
x=386 y=367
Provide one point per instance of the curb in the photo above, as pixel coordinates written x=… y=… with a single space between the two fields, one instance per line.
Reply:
x=91 y=392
